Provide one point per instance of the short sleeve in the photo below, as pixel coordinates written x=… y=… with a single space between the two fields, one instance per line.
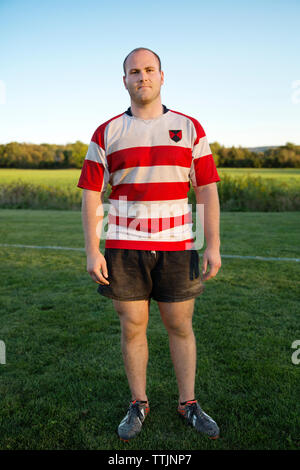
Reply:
x=94 y=173
x=203 y=169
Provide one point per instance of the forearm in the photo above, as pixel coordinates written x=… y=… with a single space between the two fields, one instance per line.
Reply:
x=210 y=216
x=92 y=217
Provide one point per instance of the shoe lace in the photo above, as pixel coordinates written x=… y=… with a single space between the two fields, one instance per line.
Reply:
x=193 y=409
x=134 y=412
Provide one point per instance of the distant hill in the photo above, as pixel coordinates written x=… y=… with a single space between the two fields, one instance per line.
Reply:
x=262 y=149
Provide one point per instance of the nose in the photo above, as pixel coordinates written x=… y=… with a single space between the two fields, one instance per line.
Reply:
x=143 y=76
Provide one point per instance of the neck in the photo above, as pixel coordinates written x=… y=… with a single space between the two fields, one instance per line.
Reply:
x=147 y=111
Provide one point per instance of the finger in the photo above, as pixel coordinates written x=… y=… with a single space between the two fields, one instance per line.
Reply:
x=98 y=277
x=204 y=266
x=212 y=273
x=104 y=269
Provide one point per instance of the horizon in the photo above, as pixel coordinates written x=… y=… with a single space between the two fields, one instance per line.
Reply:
x=210 y=143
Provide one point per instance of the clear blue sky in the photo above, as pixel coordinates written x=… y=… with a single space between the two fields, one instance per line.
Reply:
x=230 y=64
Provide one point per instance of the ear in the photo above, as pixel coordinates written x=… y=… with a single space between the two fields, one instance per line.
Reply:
x=162 y=77
x=124 y=81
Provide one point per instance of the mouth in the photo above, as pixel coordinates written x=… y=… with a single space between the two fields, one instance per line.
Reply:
x=144 y=86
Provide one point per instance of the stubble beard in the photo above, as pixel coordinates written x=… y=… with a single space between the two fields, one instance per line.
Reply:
x=140 y=100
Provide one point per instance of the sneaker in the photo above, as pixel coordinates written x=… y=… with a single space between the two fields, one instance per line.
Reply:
x=131 y=425
x=195 y=416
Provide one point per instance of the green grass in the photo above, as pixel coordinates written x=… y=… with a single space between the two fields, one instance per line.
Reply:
x=55 y=178
x=69 y=178
x=63 y=385
x=238 y=190
x=288 y=176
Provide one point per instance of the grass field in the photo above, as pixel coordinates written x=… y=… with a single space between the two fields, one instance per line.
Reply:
x=69 y=178
x=57 y=178
x=63 y=385
x=288 y=176
x=239 y=190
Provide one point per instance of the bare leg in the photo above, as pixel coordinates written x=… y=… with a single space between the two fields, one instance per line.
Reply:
x=177 y=318
x=134 y=320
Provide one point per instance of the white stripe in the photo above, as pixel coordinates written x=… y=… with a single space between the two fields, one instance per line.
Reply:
x=257 y=258
x=209 y=417
x=129 y=132
x=263 y=258
x=42 y=247
x=149 y=209
x=179 y=233
x=152 y=174
x=192 y=175
x=202 y=148
x=96 y=154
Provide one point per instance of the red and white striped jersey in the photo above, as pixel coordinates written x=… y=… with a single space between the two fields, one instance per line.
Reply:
x=149 y=165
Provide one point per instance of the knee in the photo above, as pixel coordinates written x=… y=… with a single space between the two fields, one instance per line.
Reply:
x=133 y=319
x=179 y=328
x=133 y=328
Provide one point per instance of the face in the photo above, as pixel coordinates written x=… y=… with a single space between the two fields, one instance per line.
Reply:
x=143 y=79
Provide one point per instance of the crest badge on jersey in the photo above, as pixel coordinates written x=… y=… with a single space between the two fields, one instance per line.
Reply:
x=175 y=135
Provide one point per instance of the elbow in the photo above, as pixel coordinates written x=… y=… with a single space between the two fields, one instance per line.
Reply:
x=206 y=191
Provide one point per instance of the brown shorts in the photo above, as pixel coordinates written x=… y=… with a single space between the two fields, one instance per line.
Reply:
x=166 y=276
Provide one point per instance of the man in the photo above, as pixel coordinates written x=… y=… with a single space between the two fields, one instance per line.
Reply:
x=150 y=154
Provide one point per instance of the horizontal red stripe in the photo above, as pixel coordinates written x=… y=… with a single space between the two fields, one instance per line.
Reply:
x=153 y=225
x=91 y=176
x=150 y=191
x=150 y=245
x=149 y=156
x=205 y=170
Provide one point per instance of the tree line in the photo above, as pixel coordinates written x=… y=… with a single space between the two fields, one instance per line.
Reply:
x=286 y=156
x=26 y=155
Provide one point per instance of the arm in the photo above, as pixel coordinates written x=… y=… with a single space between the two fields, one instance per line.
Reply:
x=208 y=195
x=91 y=221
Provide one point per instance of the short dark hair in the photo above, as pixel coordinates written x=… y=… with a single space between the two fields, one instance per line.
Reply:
x=141 y=49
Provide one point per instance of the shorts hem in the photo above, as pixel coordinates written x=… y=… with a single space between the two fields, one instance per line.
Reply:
x=182 y=299
x=122 y=299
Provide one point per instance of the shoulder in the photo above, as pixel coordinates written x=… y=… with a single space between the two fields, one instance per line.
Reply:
x=98 y=136
x=198 y=127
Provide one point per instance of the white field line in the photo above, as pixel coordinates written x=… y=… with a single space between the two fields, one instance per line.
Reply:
x=43 y=247
x=263 y=258
x=259 y=258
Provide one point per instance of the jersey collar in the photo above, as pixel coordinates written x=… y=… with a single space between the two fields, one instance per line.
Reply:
x=165 y=110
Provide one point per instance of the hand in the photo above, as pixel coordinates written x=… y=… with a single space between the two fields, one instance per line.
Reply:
x=97 y=268
x=211 y=257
